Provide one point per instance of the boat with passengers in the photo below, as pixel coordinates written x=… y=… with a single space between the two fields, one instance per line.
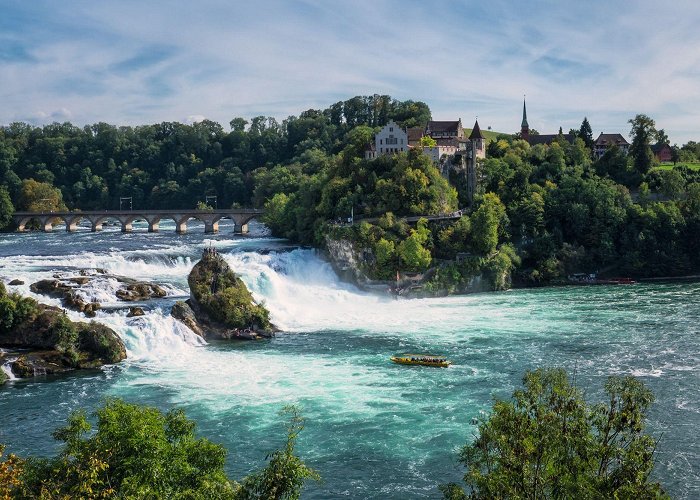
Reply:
x=422 y=360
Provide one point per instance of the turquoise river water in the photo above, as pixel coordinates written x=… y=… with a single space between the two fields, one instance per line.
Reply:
x=374 y=429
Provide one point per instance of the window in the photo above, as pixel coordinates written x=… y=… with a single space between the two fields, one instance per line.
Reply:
x=391 y=129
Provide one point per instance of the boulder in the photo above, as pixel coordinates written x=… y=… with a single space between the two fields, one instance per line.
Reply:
x=184 y=313
x=135 y=311
x=137 y=292
x=49 y=342
x=68 y=288
x=220 y=305
x=16 y=282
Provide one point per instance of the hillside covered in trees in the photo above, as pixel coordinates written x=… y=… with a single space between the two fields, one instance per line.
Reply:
x=540 y=213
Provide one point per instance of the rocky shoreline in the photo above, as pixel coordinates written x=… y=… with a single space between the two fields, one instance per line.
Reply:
x=37 y=339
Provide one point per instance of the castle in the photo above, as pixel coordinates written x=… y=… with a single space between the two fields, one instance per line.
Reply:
x=452 y=151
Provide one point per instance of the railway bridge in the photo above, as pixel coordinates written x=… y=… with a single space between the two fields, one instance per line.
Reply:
x=240 y=216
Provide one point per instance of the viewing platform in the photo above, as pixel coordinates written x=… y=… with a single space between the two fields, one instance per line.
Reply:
x=240 y=216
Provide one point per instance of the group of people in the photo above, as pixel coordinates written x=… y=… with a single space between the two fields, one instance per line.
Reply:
x=210 y=252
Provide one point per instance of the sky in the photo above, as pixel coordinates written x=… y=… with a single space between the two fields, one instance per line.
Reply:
x=136 y=62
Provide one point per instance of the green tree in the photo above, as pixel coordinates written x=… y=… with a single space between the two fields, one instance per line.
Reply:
x=487 y=223
x=661 y=137
x=672 y=183
x=642 y=133
x=140 y=452
x=586 y=132
x=427 y=142
x=6 y=208
x=285 y=474
x=136 y=452
x=412 y=251
x=40 y=197
x=385 y=252
x=548 y=442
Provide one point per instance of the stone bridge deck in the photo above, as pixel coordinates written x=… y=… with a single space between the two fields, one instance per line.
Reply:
x=210 y=218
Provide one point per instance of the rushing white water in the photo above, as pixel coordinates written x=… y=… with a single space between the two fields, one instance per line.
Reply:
x=374 y=429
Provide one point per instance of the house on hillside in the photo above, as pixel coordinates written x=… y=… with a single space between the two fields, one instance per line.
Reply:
x=391 y=139
x=453 y=151
x=415 y=134
x=605 y=141
x=663 y=152
x=445 y=131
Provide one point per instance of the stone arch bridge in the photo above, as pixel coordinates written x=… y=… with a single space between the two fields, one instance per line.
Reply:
x=240 y=216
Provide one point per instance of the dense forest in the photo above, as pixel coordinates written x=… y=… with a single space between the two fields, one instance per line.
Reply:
x=541 y=212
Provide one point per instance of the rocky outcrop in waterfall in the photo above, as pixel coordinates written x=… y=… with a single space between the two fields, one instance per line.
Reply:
x=37 y=339
x=71 y=289
x=220 y=305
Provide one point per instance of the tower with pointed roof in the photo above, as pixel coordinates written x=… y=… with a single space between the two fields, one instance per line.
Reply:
x=478 y=140
x=524 y=127
x=476 y=149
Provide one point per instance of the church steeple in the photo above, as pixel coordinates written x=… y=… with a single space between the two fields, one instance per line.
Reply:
x=524 y=127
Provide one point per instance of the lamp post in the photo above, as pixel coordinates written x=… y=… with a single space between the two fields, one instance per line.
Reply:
x=126 y=198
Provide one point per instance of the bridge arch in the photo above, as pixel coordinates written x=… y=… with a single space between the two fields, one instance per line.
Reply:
x=125 y=221
x=210 y=219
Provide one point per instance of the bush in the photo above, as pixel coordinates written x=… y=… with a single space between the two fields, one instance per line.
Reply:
x=140 y=452
x=549 y=443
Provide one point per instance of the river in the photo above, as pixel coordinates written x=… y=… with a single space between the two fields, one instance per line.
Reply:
x=373 y=429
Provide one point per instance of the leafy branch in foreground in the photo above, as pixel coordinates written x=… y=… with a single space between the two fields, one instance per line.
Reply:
x=285 y=474
x=549 y=443
x=139 y=452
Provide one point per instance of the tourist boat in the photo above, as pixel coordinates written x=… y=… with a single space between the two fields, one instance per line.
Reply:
x=422 y=360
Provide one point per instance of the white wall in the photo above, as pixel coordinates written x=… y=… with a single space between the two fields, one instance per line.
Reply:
x=391 y=139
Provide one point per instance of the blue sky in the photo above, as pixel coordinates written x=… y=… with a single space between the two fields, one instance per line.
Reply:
x=135 y=62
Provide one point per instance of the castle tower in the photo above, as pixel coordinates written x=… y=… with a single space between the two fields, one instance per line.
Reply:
x=524 y=127
x=478 y=140
x=476 y=149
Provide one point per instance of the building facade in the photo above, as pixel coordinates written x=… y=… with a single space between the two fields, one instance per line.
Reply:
x=606 y=141
x=391 y=139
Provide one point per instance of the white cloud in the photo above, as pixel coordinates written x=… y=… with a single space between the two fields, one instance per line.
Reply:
x=195 y=119
x=143 y=62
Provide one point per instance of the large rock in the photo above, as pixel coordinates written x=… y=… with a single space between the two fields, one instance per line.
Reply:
x=134 y=292
x=135 y=311
x=68 y=290
x=220 y=305
x=183 y=312
x=42 y=340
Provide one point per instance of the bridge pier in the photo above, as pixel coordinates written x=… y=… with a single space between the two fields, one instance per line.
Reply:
x=72 y=224
x=240 y=229
x=96 y=226
x=181 y=226
x=127 y=227
x=211 y=227
x=47 y=226
x=154 y=227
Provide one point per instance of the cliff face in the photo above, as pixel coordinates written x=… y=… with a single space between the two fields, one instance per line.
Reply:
x=447 y=278
x=351 y=262
x=39 y=339
x=220 y=305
